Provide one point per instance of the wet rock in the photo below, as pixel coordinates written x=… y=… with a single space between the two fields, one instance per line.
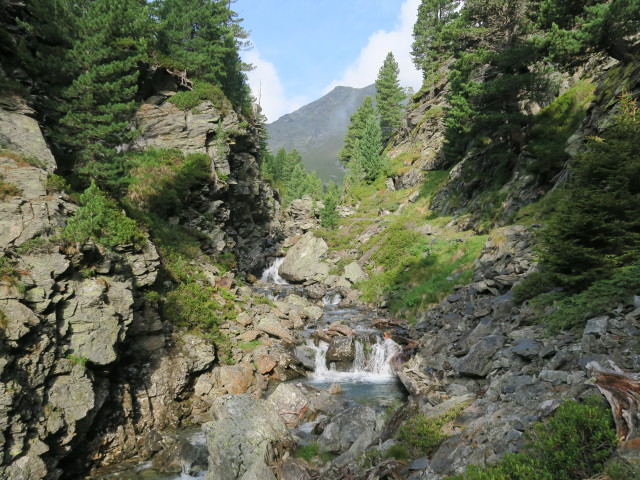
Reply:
x=341 y=349
x=306 y=356
x=245 y=433
x=181 y=457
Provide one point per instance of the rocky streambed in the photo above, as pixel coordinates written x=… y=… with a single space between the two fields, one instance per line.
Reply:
x=335 y=408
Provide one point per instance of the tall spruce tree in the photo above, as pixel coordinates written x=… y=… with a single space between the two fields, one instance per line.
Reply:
x=389 y=95
x=355 y=130
x=111 y=37
x=433 y=35
x=329 y=215
x=203 y=37
x=369 y=149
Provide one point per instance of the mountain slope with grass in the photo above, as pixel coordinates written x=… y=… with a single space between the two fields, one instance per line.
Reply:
x=317 y=130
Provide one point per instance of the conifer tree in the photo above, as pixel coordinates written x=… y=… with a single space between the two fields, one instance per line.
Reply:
x=433 y=35
x=596 y=228
x=355 y=130
x=204 y=37
x=389 y=95
x=369 y=149
x=297 y=185
x=314 y=185
x=329 y=215
x=101 y=99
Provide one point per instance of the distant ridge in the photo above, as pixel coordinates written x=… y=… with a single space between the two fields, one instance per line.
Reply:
x=317 y=130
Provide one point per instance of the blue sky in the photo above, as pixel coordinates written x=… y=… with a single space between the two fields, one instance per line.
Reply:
x=304 y=48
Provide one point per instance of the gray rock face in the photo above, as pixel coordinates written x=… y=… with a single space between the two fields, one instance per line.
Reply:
x=236 y=209
x=246 y=436
x=302 y=261
x=21 y=133
x=355 y=424
x=478 y=361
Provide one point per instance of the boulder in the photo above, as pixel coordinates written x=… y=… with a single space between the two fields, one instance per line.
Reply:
x=246 y=435
x=302 y=261
x=478 y=361
x=271 y=325
x=347 y=427
x=180 y=457
x=341 y=349
x=354 y=273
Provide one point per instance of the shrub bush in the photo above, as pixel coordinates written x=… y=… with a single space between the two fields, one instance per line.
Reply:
x=99 y=218
x=574 y=443
x=202 y=91
x=8 y=189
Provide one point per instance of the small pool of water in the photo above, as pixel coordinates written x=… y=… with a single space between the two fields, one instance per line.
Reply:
x=373 y=394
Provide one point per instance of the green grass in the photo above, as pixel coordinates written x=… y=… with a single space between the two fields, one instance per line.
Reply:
x=8 y=189
x=421 y=435
x=554 y=125
x=161 y=180
x=249 y=346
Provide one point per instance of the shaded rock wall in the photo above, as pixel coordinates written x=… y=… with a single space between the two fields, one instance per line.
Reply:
x=237 y=210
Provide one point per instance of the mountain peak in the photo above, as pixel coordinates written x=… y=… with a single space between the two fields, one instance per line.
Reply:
x=317 y=130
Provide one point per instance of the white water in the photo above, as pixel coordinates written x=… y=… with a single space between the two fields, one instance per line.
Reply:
x=371 y=367
x=271 y=274
x=331 y=299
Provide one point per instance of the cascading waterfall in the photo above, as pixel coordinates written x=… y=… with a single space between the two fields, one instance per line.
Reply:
x=368 y=366
x=271 y=275
x=331 y=299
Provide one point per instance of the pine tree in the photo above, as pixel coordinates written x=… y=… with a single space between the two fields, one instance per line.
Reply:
x=369 y=149
x=433 y=35
x=203 y=37
x=355 y=130
x=314 y=185
x=577 y=28
x=329 y=215
x=389 y=95
x=297 y=185
x=101 y=99
x=596 y=227
x=293 y=159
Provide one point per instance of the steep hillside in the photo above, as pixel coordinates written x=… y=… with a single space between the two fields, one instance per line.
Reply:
x=317 y=130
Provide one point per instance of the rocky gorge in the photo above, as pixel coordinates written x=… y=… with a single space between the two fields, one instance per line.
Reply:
x=239 y=339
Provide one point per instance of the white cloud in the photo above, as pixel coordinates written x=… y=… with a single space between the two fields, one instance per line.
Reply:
x=364 y=70
x=267 y=88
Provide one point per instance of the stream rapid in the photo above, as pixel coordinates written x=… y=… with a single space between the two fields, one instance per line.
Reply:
x=367 y=380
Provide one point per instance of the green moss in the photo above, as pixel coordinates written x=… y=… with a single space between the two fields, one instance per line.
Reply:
x=249 y=346
x=399 y=452
x=307 y=452
x=202 y=91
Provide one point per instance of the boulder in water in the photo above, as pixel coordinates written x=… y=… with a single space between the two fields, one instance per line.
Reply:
x=341 y=349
